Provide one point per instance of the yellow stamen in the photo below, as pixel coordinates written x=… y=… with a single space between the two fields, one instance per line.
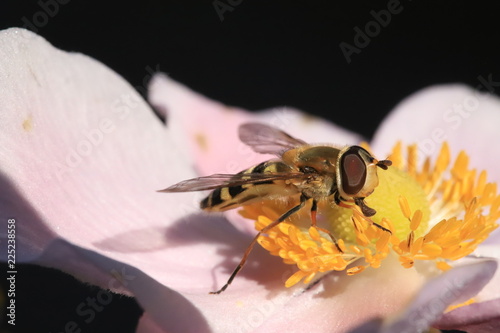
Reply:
x=416 y=219
x=355 y=270
x=405 y=207
x=434 y=212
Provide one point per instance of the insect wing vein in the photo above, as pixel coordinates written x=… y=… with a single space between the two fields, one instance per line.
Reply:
x=265 y=139
x=228 y=180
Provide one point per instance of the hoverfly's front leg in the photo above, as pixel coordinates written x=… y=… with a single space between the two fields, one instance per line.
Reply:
x=340 y=201
x=367 y=211
x=370 y=221
x=254 y=241
x=314 y=209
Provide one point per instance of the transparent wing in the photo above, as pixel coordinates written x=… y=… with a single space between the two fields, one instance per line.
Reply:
x=265 y=139
x=228 y=180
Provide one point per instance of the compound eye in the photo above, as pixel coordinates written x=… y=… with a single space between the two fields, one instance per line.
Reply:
x=353 y=171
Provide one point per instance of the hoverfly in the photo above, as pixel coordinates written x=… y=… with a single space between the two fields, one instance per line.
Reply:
x=311 y=172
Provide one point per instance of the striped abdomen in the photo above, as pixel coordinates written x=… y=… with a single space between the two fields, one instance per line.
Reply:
x=230 y=197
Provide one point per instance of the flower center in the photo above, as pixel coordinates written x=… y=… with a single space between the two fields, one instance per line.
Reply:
x=433 y=212
x=394 y=187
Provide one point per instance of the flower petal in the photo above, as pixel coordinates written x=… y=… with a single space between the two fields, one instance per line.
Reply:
x=466 y=118
x=81 y=158
x=455 y=286
x=121 y=277
x=339 y=303
x=147 y=324
x=208 y=129
x=489 y=250
x=481 y=317
x=336 y=303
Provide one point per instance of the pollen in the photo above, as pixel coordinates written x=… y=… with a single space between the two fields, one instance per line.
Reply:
x=437 y=211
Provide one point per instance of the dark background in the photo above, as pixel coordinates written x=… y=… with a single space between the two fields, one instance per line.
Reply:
x=255 y=54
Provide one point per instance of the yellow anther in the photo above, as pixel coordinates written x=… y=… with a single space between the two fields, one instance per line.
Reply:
x=405 y=207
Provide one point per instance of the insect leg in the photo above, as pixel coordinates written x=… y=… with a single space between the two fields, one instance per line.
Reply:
x=369 y=220
x=340 y=201
x=254 y=241
x=381 y=227
x=367 y=211
x=314 y=208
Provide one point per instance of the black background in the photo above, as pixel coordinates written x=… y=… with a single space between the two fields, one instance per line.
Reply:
x=262 y=54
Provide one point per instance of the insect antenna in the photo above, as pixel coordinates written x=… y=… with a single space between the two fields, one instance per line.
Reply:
x=384 y=164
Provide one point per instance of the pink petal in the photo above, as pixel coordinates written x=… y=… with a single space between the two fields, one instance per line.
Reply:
x=82 y=156
x=489 y=250
x=466 y=118
x=337 y=303
x=147 y=324
x=340 y=303
x=455 y=286
x=208 y=129
x=476 y=318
